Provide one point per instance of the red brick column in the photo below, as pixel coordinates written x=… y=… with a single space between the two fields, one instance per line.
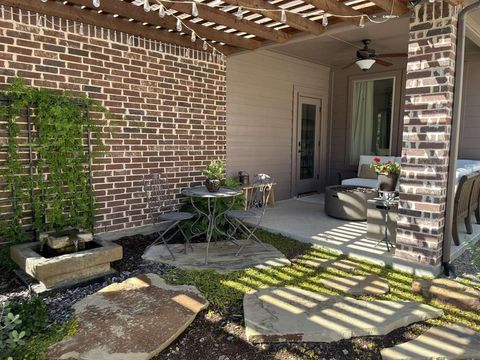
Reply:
x=426 y=132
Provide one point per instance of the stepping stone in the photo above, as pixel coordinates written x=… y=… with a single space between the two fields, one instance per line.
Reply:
x=278 y=314
x=134 y=320
x=221 y=256
x=446 y=342
x=449 y=292
x=358 y=285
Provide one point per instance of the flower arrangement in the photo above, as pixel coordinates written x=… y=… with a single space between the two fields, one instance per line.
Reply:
x=214 y=174
x=385 y=168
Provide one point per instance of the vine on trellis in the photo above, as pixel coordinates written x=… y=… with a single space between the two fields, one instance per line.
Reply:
x=58 y=188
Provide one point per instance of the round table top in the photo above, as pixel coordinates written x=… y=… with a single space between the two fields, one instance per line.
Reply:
x=202 y=191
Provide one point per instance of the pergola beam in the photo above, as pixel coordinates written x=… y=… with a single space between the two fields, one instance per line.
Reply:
x=271 y=11
x=109 y=22
x=338 y=8
x=396 y=7
x=129 y=10
x=222 y=18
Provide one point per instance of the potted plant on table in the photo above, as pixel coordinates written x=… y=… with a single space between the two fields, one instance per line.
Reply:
x=214 y=174
x=387 y=172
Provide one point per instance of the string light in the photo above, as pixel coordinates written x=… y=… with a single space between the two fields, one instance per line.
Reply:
x=283 y=18
x=324 y=20
x=205 y=46
x=146 y=6
x=44 y=1
x=161 y=11
x=80 y=30
x=361 y=24
x=179 y=25
x=193 y=38
x=194 y=9
x=40 y=21
x=239 y=13
x=96 y=3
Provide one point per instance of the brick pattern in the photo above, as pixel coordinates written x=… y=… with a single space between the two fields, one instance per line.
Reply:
x=426 y=132
x=171 y=108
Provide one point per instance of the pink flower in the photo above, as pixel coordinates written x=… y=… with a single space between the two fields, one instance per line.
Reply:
x=389 y=161
x=377 y=159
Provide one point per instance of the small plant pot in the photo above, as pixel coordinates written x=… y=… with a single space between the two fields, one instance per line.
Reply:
x=387 y=182
x=212 y=185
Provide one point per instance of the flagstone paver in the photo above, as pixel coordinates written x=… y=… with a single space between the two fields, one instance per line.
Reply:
x=358 y=285
x=134 y=320
x=446 y=343
x=449 y=291
x=278 y=314
x=221 y=256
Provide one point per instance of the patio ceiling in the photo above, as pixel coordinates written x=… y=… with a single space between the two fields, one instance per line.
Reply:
x=217 y=24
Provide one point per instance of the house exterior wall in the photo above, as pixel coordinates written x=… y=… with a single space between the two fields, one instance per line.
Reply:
x=426 y=132
x=173 y=107
x=260 y=101
x=340 y=121
x=469 y=147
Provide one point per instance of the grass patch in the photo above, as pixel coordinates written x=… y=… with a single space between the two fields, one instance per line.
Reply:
x=226 y=290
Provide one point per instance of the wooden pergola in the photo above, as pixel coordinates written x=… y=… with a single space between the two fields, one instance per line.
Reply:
x=216 y=22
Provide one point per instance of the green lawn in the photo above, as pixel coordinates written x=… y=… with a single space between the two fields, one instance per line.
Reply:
x=225 y=290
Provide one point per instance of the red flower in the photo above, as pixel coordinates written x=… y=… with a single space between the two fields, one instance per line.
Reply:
x=389 y=161
x=377 y=159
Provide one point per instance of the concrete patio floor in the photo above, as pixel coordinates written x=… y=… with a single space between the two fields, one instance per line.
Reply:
x=304 y=219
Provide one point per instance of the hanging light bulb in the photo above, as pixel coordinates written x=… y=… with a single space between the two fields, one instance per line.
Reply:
x=40 y=21
x=205 y=46
x=325 y=20
x=161 y=11
x=146 y=6
x=283 y=18
x=239 y=13
x=362 y=22
x=194 y=9
x=44 y=1
x=179 y=25
x=193 y=38
x=96 y=3
x=80 y=30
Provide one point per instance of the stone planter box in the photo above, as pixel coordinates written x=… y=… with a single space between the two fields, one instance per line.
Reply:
x=67 y=269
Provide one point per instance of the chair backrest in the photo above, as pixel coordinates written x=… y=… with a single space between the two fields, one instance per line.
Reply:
x=261 y=189
x=462 y=196
x=474 y=197
x=159 y=198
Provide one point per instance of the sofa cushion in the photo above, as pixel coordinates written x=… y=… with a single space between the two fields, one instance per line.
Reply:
x=366 y=172
x=372 y=183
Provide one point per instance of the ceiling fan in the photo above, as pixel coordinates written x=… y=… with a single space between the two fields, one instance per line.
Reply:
x=367 y=56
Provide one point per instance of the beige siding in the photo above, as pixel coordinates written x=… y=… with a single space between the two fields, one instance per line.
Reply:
x=341 y=113
x=260 y=88
x=470 y=131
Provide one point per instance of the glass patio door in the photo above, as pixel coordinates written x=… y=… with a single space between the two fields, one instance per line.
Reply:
x=308 y=138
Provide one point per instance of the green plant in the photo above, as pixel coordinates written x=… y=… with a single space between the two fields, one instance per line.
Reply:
x=10 y=334
x=215 y=170
x=58 y=189
x=385 y=168
x=34 y=315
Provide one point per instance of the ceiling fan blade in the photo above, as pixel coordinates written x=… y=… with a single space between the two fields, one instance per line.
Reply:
x=392 y=55
x=347 y=66
x=383 y=62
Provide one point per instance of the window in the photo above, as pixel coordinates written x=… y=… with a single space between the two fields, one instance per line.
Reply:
x=372 y=109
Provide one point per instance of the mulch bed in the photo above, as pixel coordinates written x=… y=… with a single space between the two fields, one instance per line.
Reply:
x=212 y=336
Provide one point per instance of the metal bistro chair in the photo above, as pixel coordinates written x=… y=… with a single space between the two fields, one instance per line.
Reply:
x=257 y=203
x=160 y=202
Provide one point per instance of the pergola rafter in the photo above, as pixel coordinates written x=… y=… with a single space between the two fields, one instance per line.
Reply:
x=218 y=23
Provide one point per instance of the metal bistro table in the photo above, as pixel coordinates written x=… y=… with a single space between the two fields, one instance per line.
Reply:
x=212 y=213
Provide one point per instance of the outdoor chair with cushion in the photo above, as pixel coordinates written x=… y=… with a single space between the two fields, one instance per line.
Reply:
x=462 y=205
x=161 y=201
x=365 y=176
x=257 y=204
x=474 y=204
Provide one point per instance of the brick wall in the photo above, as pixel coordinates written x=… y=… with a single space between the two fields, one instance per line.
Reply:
x=426 y=132
x=172 y=101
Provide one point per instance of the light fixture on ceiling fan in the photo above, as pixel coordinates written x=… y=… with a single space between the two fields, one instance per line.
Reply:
x=367 y=57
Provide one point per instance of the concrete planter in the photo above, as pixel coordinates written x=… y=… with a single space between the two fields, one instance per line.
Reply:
x=66 y=269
